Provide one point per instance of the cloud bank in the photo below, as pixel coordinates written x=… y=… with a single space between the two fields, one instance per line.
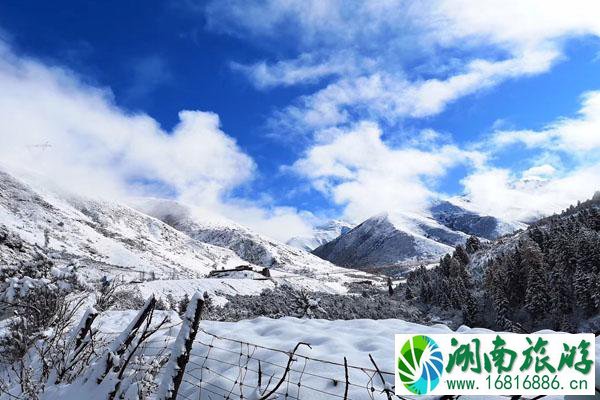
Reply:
x=369 y=52
x=365 y=175
x=392 y=61
x=56 y=126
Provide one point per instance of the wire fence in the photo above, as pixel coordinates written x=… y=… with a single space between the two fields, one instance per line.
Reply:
x=226 y=368
x=213 y=366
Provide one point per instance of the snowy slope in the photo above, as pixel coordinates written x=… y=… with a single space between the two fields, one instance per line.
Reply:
x=321 y=234
x=386 y=241
x=106 y=238
x=248 y=245
x=458 y=218
x=219 y=288
x=400 y=237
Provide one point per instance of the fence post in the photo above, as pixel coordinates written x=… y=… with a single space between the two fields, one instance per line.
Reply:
x=259 y=375
x=180 y=355
x=122 y=342
x=347 y=380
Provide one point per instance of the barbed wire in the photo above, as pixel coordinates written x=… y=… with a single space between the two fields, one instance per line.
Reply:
x=246 y=369
x=227 y=368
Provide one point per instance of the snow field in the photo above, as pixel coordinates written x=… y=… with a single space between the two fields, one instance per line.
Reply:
x=227 y=353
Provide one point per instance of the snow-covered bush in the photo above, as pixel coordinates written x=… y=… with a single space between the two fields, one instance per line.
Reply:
x=34 y=297
x=38 y=303
x=286 y=301
x=114 y=294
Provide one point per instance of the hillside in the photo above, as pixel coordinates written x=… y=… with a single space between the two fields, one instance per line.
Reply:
x=102 y=238
x=105 y=238
x=547 y=276
x=378 y=242
x=248 y=245
x=393 y=240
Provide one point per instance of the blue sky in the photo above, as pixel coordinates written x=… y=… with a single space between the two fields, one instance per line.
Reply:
x=325 y=109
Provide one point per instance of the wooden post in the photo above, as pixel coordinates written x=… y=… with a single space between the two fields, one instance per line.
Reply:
x=182 y=349
x=122 y=342
x=347 y=380
x=259 y=375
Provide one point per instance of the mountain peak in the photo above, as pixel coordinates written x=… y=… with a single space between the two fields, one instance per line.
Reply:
x=321 y=234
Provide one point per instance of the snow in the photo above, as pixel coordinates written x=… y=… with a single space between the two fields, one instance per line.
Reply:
x=219 y=288
x=107 y=238
x=321 y=234
x=248 y=245
x=330 y=341
x=179 y=246
x=216 y=288
x=111 y=238
x=383 y=241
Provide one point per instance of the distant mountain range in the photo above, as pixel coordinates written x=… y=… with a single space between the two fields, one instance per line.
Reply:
x=169 y=240
x=400 y=239
x=321 y=234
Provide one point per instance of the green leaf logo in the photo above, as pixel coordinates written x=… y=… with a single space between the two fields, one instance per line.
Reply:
x=420 y=364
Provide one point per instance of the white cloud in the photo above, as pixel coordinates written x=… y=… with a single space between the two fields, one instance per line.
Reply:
x=513 y=24
x=490 y=42
x=72 y=133
x=306 y=68
x=423 y=55
x=498 y=192
x=539 y=172
x=358 y=170
x=520 y=24
x=548 y=186
x=579 y=135
x=387 y=97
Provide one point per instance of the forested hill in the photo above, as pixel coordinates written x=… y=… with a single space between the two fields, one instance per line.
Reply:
x=547 y=276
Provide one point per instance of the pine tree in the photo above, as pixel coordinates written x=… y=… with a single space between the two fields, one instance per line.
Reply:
x=536 y=295
x=444 y=267
x=470 y=311
x=582 y=282
x=461 y=255
x=408 y=293
x=473 y=244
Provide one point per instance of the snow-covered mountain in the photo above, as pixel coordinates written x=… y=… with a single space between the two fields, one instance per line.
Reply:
x=110 y=238
x=402 y=238
x=321 y=234
x=460 y=219
x=107 y=238
x=381 y=241
x=248 y=245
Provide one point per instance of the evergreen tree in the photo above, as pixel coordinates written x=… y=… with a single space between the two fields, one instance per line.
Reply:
x=473 y=244
x=470 y=311
x=461 y=255
x=536 y=295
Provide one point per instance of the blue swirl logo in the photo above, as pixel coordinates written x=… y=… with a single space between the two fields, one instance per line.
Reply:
x=420 y=364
